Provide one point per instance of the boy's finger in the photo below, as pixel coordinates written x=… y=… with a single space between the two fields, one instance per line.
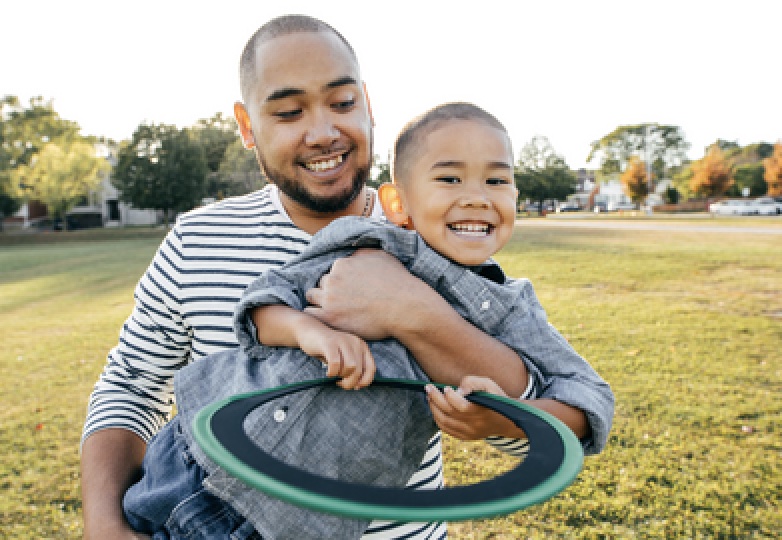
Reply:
x=456 y=399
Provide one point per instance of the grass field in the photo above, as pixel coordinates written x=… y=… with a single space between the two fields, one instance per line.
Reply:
x=687 y=328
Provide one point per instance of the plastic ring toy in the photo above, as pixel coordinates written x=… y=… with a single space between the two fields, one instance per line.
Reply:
x=554 y=460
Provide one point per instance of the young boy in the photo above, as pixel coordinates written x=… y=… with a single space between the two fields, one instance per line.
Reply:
x=454 y=187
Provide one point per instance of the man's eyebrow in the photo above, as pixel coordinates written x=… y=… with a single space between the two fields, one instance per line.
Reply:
x=341 y=81
x=283 y=93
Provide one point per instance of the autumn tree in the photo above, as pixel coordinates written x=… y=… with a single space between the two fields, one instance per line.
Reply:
x=773 y=171
x=635 y=180
x=712 y=175
x=543 y=174
x=60 y=174
x=161 y=168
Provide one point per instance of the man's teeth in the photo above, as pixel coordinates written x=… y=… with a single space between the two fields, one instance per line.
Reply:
x=470 y=228
x=320 y=166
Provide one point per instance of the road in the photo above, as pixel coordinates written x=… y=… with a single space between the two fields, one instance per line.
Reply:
x=772 y=226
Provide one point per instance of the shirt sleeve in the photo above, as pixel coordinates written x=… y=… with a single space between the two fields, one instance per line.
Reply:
x=515 y=447
x=560 y=372
x=135 y=389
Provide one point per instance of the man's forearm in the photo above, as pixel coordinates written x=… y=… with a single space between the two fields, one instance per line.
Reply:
x=110 y=463
x=447 y=347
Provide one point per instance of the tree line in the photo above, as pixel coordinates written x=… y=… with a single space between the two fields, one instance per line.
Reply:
x=44 y=157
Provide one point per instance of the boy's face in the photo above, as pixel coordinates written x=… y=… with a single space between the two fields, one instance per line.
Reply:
x=311 y=122
x=460 y=192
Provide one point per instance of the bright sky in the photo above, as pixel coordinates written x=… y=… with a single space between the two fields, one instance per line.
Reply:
x=569 y=70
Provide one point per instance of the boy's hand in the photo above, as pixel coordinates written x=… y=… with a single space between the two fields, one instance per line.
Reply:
x=345 y=355
x=464 y=420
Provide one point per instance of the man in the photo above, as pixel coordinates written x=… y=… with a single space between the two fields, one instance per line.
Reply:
x=307 y=115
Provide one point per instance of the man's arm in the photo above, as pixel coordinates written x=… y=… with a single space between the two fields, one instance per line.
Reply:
x=110 y=462
x=133 y=395
x=372 y=295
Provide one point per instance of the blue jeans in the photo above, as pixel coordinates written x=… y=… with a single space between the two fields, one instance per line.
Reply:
x=169 y=502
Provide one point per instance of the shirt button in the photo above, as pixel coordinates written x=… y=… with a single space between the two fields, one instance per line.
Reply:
x=485 y=305
x=279 y=414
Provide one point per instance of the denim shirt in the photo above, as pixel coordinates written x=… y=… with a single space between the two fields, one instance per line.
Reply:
x=320 y=430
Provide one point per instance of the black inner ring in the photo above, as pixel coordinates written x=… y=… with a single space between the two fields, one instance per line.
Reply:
x=547 y=453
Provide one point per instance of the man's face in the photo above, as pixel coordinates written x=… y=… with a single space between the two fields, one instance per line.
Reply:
x=311 y=121
x=460 y=193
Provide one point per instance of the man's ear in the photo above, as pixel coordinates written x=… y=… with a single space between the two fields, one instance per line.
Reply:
x=391 y=201
x=369 y=105
x=245 y=126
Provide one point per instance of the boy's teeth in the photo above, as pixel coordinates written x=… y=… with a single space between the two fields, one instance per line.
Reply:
x=319 y=166
x=472 y=228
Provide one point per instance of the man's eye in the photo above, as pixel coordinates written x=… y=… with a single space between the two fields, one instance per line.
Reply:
x=448 y=179
x=288 y=115
x=345 y=105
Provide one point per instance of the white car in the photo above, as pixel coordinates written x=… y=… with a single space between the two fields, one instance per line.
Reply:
x=614 y=206
x=766 y=206
x=733 y=207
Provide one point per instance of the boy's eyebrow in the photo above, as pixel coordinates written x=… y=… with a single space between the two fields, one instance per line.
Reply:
x=283 y=93
x=456 y=163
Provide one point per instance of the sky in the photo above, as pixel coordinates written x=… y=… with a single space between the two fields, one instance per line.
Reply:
x=571 y=71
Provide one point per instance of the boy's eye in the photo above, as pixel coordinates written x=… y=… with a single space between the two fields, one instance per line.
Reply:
x=448 y=179
x=497 y=181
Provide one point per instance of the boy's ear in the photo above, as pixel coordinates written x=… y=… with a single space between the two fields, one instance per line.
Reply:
x=245 y=126
x=392 y=205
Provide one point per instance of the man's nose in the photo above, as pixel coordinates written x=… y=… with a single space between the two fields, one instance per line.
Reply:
x=322 y=131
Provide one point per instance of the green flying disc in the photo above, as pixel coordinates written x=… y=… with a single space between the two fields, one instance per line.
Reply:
x=554 y=460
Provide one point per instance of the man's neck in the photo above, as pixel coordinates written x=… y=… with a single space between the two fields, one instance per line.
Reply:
x=311 y=222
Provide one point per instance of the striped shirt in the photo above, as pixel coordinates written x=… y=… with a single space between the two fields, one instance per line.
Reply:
x=184 y=306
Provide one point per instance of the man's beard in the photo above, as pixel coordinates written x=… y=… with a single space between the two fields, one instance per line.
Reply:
x=299 y=193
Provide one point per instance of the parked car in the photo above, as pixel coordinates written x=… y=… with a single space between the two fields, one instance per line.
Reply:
x=767 y=206
x=599 y=206
x=732 y=207
x=568 y=207
x=614 y=206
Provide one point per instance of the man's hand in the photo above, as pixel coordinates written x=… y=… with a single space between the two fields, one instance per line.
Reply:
x=464 y=420
x=361 y=294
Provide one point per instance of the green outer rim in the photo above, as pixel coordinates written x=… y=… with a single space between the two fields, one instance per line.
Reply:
x=565 y=475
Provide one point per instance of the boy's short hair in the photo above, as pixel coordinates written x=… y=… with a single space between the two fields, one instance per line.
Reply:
x=410 y=138
x=279 y=26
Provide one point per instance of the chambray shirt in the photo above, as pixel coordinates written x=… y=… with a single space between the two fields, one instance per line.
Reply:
x=373 y=436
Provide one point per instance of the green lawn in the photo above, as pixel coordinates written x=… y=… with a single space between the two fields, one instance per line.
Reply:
x=687 y=328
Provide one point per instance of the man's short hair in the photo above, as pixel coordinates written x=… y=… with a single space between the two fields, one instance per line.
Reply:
x=410 y=138
x=279 y=26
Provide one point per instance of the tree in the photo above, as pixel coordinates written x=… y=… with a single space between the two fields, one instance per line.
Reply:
x=161 y=168
x=23 y=132
x=635 y=180
x=773 y=171
x=216 y=135
x=60 y=174
x=664 y=146
x=713 y=174
x=238 y=172
x=543 y=174
x=382 y=170
x=749 y=176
